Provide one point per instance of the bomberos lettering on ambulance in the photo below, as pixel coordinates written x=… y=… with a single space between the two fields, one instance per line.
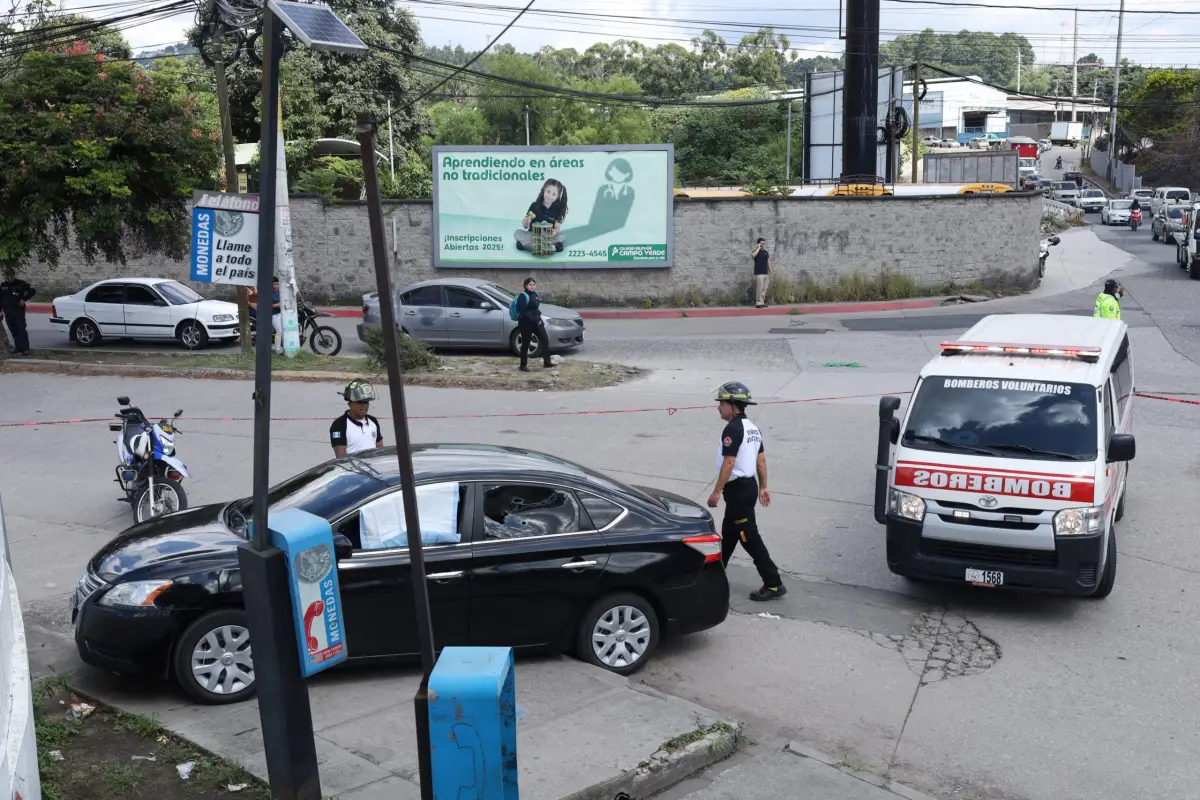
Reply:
x=1073 y=488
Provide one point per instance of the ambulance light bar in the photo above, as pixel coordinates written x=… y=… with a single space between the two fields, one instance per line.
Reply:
x=1058 y=351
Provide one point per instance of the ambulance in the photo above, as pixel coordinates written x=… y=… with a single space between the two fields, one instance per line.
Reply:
x=1008 y=467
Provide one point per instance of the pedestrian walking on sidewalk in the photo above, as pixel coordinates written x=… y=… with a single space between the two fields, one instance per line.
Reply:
x=14 y=293
x=1107 y=305
x=742 y=481
x=527 y=307
x=763 y=270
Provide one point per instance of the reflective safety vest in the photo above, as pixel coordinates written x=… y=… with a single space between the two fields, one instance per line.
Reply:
x=1107 y=306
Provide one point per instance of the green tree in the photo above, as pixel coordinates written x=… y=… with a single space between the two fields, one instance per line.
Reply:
x=759 y=59
x=105 y=150
x=671 y=70
x=577 y=122
x=456 y=122
x=503 y=105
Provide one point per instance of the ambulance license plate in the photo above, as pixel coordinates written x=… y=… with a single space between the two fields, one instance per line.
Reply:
x=980 y=577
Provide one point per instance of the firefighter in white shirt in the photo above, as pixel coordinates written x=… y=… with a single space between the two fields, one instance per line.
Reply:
x=742 y=481
x=356 y=430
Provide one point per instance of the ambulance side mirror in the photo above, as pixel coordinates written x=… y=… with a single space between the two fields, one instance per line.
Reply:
x=1121 y=447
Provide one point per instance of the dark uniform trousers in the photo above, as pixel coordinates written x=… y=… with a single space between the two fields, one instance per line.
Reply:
x=740 y=525
x=528 y=330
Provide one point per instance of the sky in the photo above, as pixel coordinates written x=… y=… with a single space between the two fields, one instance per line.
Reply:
x=1153 y=39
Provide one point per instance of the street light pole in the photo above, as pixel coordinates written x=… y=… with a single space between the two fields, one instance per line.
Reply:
x=283 y=704
x=1113 y=149
x=366 y=130
x=788 y=163
x=1075 y=66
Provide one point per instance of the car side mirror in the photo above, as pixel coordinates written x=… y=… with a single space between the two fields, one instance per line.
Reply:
x=178 y=413
x=486 y=306
x=1121 y=447
x=123 y=400
x=342 y=547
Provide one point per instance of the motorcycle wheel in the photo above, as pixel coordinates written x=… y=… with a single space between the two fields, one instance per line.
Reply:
x=169 y=497
x=325 y=341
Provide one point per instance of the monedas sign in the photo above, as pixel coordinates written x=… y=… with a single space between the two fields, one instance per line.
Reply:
x=224 y=238
x=581 y=207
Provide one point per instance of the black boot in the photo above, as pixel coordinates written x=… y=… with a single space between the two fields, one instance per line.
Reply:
x=764 y=593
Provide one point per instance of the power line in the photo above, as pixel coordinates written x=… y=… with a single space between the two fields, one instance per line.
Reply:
x=1085 y=10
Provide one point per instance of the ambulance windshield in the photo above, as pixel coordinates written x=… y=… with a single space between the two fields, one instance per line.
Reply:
x=1004 y=418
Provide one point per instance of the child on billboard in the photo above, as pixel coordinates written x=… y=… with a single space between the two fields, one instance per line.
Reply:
x=549 y=207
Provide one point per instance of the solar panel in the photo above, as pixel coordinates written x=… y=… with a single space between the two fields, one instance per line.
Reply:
x=317 y=26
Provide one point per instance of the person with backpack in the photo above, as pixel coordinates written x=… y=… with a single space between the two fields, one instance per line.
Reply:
x=525 y=310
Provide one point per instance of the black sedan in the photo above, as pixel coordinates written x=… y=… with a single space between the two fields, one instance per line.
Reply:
x=522 y=549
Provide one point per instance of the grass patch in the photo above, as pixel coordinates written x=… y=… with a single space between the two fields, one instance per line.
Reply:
x=303 y=362
x=855 y=287
x=684 y=739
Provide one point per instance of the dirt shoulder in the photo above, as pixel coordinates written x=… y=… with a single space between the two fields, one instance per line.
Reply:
x=464 y=372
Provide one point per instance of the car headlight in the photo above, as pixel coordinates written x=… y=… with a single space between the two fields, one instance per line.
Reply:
x=560 y=323
x=223 y=317
x=135 y=594
x=908 y=506
x=1078 y=521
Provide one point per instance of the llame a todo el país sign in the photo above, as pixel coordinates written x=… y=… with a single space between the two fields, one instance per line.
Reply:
x=555 y=207
x=224 y=238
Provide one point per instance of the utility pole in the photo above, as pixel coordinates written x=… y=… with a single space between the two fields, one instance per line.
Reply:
x=231 y=176
x=860 y=93
x=391 y=145
x=1018 y=69
x=788 y=166
x=1112 y=106
x=527 y=125
x=1075 y=67
x=916 y=120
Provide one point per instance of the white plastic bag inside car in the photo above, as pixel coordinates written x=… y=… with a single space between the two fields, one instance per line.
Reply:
x=381 y=522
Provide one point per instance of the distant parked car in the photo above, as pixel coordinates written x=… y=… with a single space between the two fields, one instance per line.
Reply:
x=1092 y=200
x=1166 y=223
x=931 y=141
x=952 y=143
x=978 y=142
x=143 y=308
x=470 y=313
x=1116 y=212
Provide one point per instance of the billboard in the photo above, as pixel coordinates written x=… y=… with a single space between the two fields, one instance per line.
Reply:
x=823 y=124
x=560 y=207
x=224 y=238
x=931 y=109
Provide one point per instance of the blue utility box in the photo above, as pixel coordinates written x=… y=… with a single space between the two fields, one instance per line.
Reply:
x=473 y=724
x=316 y=599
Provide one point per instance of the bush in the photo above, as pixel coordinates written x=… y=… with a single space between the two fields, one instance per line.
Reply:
x=414 y=354
x=854 y=287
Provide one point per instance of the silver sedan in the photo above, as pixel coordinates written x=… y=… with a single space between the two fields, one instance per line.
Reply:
x=472 y=314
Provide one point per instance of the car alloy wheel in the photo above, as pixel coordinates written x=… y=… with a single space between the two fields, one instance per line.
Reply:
x=193 y=336
x=213 y=659
x=535 y=344
x=618 y=633
x=86 y=334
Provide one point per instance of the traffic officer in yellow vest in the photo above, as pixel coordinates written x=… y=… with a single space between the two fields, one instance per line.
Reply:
x=1107 y=306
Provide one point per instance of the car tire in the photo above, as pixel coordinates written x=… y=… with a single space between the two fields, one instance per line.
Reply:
x=85 y=333
x=535 y=348
x=1109 y=578
x=626 y=626
x=1153 y=234
x=199 y=654
x=192 y=335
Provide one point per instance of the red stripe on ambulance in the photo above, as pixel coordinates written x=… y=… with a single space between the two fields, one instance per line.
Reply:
x=1081 y=489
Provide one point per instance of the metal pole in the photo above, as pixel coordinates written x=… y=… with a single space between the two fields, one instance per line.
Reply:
x=1112 y=106
x=916 y=120
x=231 y=176
x=527 y=125
x=383 y=281
x=1075 y=66
x=283 y=704
x=788 y=163
x=391 y=144
x=860 y=95
x=1018 y=69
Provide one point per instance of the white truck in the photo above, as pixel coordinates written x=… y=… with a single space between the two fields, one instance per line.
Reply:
x=1066 y=133
x=1187 y=243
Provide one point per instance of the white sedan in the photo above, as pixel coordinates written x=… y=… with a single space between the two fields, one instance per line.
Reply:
x=143 y=308
x=1092 y=200
x=1116 y=212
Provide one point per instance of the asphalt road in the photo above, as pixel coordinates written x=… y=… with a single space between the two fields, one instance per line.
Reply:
x=1070 y=700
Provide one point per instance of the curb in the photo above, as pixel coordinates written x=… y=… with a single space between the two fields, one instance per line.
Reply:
x=351 y=312
x=136 y=370
x=895 y=788
x=664 y=769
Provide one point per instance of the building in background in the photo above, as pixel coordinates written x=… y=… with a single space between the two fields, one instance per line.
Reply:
x=960 y=108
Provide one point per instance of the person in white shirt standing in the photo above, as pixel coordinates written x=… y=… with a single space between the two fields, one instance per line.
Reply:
x=742 y=481
x=356 y=430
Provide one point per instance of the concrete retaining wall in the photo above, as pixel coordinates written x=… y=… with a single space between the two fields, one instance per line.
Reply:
x=18 y=748
x=986 y=239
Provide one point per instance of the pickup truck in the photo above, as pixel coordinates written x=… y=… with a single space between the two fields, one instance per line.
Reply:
x=1064 y=192
x=1091 y=200
x=1187 y=243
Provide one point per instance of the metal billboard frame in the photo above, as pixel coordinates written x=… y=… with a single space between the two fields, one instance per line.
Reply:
x=823 y=98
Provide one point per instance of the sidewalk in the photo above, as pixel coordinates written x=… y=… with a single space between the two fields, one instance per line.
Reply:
x=797 y=772
x=583 y=733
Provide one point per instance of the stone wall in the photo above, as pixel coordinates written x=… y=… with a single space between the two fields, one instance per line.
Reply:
x=935 y=241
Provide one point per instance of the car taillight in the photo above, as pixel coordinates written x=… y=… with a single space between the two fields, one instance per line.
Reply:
x=364 y=311
x=174 y=474
x=709 y=545
x=53 y=311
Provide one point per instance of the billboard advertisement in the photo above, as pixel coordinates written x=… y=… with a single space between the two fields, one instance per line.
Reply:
x=931 y=109
x=224 y=238
x=559 y=207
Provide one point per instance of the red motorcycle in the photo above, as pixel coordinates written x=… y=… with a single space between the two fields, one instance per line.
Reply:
x=1135 y=219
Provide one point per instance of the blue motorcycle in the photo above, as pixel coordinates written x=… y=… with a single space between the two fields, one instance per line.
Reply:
x=149 y=472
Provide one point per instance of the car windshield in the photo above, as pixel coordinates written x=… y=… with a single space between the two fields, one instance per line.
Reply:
x=326 y=491
x=1093 y=193
x=497 y=292
x=1004 y=418
x=1064 y=186
x=1119 y=205
x=177 y=294
x=1178 y=194
x=1175 y=212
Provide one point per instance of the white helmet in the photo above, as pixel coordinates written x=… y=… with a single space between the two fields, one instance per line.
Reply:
x=141 y=446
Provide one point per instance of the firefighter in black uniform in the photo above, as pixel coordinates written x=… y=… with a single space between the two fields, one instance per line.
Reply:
x=742 y=481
